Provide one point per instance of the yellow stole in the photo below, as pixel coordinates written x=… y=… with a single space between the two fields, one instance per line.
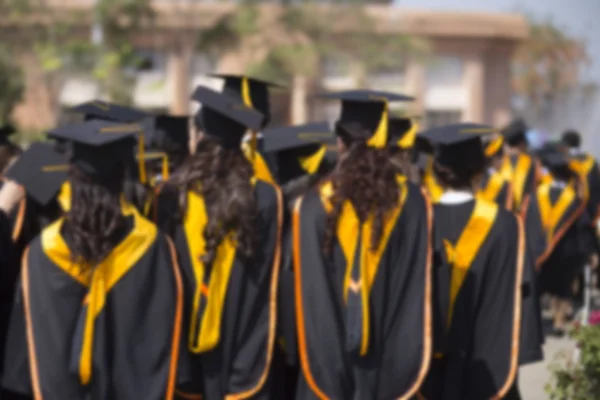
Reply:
x=347 y=234
x=551 y=215
x=205 y=329
x=583 y=168
x=99 y=279
x=520 y=177
x=461 y=255
x=492 y=189
x=434 y=190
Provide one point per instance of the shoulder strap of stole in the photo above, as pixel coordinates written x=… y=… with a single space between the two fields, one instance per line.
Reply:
x=520 y=173
x=434 y=190
x=550 y=214
x=368 y=258
x=461 y=255
x=494 y=185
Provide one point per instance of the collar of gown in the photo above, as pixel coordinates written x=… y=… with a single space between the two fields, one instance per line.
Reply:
x=456 y=197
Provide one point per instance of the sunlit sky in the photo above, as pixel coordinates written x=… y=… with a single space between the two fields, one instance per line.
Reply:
x=578 y=17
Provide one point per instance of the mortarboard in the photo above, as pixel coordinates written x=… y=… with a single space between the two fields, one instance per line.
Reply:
x=253 y=92
x=514 y=133
x=555 y=159
x=226 y=118
x=97 y=145
x=41 y=170
x=109 y=112
x=369 y=108
x=457 y=144
x=291 y=137
x=403 y=132
x=299 y=149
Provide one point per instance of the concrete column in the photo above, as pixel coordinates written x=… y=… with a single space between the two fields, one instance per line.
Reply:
x=498 y=83
x=415 y=85
x=178 y=79
x=298 y=100
x=474 y=81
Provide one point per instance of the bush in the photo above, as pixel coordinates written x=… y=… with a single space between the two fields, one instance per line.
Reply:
x=579 y=379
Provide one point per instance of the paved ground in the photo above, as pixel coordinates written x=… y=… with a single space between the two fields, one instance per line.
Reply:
x=533 y=377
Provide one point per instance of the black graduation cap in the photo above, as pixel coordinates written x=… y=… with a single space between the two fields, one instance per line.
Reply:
x=555 y=160
x=297 y=136
x=253 y=92
x=99 y=145
x=366 y=107
x=454 y=134
x=41 y=170
x=110 y=112
x=171 y=134
x=6 y=131
x=458 y=144
x=515 y=132
x=226 y=118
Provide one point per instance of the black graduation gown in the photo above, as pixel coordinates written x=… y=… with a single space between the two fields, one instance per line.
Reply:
x=497 y=189
x=524 y=182
x=8 y=266
x=560 y=257
x=128 y=347
x=591 y=175
x=238 y=364
x=476 y=355
x=394 y=354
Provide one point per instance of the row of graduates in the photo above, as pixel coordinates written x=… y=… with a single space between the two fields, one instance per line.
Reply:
x=272 y=270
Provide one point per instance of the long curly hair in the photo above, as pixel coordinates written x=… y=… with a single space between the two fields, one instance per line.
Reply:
x=367 y=179
x=223 y=177
x=95 y=224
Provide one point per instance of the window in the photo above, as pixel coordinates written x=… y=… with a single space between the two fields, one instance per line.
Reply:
x=439 y=118
x=445 y=70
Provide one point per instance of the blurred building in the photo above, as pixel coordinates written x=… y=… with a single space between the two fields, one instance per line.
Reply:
x=466 y=77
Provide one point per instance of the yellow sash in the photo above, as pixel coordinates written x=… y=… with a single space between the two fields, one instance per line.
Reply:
x=205 y=329
x=551 y=215
x=101 y=279
x=461 y=255
x=520 y=178
x=347 y=233
x=433 y=188
x=494 y=185
x=583 y=168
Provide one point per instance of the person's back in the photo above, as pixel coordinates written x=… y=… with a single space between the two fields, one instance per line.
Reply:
x=226 y=224
x=100 y=295
x=479 y=264
x=361 y=271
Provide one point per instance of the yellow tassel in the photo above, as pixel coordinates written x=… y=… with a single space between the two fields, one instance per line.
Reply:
x=379 y=139
x=165 y=167
x=494 y=146
x=408 y=140
x=311 y=163
x=141 y=160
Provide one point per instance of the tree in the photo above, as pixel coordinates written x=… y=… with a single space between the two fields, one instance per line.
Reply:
x=547 y=65
x=291 y=41
x=11 y=85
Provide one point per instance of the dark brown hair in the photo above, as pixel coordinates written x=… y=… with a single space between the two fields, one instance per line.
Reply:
x=95 y=224
x=367 y=179
x=223 y=177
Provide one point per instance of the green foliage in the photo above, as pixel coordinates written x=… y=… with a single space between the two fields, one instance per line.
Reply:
x=11 y=85
x=578 y=380
x=228 y=31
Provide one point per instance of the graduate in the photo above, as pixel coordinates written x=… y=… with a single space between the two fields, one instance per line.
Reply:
x=226 y=223
x=562 y=236
x=301 y=155
x=362 y=267
x=586 y=168
x=479 y=263
x=403 y=134
x=496 y=183
x=525 y=169
x=253 y=93
x=137 y=190
x=97 y=314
